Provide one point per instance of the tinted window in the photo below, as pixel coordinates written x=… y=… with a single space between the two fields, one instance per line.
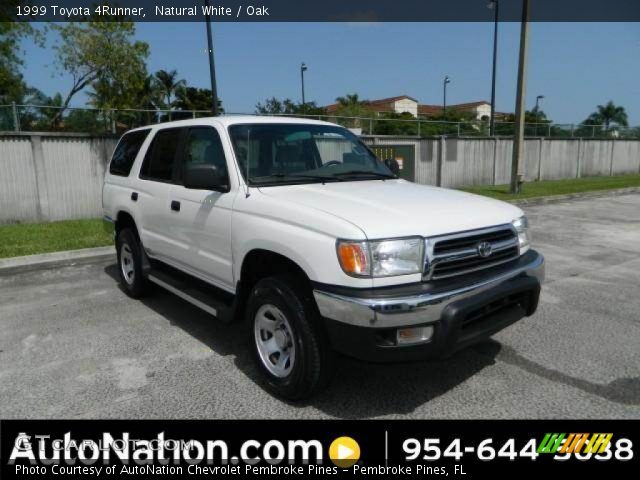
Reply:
x=158 y=164
x=203 y=146
x=126 y=151
x=270 y=153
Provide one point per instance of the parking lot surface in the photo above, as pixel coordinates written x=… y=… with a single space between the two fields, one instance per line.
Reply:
x=73 y=345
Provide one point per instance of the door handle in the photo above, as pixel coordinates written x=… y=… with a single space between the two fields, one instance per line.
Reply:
x=175 y=205
x=134 y=196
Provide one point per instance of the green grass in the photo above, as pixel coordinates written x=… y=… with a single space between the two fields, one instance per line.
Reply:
x=556 y=187
x=32 y=238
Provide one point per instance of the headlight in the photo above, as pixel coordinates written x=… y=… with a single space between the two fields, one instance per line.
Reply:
x=524 y=236
x=382 y=258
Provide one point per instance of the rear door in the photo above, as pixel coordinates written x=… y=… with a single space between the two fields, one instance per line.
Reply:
x=203 y=225
x=118 y=184
x=158 y=173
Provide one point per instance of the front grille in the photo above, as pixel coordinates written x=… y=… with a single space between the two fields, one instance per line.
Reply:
x=457 y=254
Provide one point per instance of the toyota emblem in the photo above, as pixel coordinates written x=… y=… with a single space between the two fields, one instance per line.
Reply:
x=484 y=249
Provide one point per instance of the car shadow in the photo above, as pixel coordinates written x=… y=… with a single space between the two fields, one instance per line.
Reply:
x=359 y=389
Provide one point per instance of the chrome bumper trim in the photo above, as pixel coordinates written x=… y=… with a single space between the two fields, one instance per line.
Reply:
x=412 y=310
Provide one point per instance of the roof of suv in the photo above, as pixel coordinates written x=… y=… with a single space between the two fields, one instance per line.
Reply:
x=227 y=120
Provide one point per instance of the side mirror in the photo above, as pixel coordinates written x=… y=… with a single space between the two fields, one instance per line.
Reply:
x=205 y=177
x=393 y=165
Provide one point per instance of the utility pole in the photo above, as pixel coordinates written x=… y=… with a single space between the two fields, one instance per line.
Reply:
x=518 y=139
x=212 y=66
x=303 y=68
x=494 y=4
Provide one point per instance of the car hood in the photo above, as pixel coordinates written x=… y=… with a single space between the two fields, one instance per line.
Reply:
x=396 y=208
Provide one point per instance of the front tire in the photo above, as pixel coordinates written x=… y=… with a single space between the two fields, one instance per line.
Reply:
x=288 y=344
x=129 y=251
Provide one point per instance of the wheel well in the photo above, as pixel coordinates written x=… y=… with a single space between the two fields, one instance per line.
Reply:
x=259 y=264
x=125 y=220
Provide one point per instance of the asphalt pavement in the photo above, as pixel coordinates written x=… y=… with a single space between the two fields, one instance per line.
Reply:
x=73 y=345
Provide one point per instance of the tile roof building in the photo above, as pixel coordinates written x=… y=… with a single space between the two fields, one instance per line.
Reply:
x=404 y=103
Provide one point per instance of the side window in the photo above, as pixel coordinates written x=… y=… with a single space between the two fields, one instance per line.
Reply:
x=204 y=147
x=158 y=163
x=126 y=152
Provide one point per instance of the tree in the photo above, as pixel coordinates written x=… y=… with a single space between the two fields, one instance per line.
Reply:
x=273 y=106
x=531 y=116
x=536 y=115
x=388 y=126
x=454 y=122
x=12 y=86
x=107 y=94
x=535 y=122
x=48 y=115
x=193 y=98
x=608 y=114
x=11 y=83
x=351 y=106
x=168 y=84
x=104 y=51
x=31 y=118
x=84 y=121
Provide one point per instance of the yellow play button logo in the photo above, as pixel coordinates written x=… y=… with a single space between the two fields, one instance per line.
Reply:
x=344 y=452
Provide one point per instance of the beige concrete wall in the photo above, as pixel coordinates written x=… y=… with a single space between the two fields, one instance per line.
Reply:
x=48 y=177
x=477 y=161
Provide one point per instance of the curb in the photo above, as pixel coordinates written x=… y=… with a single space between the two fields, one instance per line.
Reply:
x=574 y=196
x=56 y=259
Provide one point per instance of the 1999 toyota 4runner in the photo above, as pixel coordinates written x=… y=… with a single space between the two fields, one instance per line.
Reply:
x=296 y=228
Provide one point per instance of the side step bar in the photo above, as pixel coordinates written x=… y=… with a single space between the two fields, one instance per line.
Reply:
x=200 y=294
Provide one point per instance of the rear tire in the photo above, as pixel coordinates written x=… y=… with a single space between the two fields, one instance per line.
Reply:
x=289 y=346
x=129 y=251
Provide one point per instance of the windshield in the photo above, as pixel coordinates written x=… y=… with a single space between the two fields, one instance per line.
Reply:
x=275 y=154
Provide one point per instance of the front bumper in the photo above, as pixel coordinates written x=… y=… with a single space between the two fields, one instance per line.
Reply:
x=461 y=312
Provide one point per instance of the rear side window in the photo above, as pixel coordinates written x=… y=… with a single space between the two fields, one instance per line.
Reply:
x=126 y=152
x=158 y=163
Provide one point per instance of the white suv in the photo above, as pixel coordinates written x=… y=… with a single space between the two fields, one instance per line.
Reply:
x=295 y=228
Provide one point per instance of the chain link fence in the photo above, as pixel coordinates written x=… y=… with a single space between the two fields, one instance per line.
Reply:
x=44 y=118
x=41 y=118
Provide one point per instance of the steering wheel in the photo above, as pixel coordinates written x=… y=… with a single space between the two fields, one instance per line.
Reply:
x=331 y=163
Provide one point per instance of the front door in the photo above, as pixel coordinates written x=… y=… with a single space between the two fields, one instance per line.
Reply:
x=202 y=227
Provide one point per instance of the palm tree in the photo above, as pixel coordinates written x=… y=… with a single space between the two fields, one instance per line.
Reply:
x=148 y=98
x=351 y=100
x=50 y=115
x=168 y=85
x=608 y=114
x=351 y=106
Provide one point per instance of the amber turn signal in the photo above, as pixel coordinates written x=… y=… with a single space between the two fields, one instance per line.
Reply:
x=354 y=258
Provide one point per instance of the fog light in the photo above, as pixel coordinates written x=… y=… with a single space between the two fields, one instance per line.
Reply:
x=407 y=336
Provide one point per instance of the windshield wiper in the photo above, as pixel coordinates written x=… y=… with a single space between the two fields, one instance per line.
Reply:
x=323 y=178
x=353 y=173
x=319 y=177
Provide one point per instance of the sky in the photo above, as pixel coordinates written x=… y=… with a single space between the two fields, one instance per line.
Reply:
x=576 y=66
